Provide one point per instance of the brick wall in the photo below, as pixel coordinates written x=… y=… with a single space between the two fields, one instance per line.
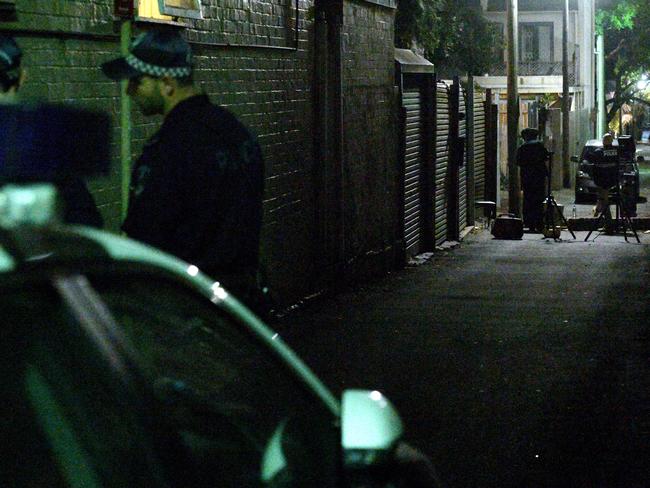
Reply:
x=247 y=59
x=63 y=44
x=370 y=128
x=271 y=94
x=267 y=84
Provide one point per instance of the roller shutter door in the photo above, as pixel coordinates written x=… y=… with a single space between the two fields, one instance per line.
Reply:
x=411 y=101
x=462 y=171
x=479 y=146
x=442 y=163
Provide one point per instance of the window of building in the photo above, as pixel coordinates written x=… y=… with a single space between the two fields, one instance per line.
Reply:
x=532 y=5
x=169 y=10
x=536 y=42
x=181 y=8
x=384 y=3
x=500 y=44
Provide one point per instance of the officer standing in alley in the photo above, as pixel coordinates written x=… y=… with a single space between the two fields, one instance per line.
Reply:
x=78 y=204
x=531 y=159
x=196 y=191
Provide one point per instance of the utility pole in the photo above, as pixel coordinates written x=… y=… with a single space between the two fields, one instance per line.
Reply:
x=513 y=108
x=601 y=125
x=566 y=175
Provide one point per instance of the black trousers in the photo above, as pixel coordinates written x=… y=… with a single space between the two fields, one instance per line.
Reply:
x=534 y=194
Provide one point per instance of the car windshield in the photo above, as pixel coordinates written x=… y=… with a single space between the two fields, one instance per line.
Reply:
x=225 y=392
x=588 y=152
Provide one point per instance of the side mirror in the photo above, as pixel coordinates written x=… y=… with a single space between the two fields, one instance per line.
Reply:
x=640 y=159
x=574 y=159
x=370 y=428
x=370 y=431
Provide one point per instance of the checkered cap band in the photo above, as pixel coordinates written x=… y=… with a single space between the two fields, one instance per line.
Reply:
x=158 y=71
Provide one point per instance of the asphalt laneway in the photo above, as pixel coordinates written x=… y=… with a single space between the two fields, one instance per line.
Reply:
x=513 y=363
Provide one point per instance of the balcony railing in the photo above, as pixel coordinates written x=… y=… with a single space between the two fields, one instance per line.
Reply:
x=536 y=68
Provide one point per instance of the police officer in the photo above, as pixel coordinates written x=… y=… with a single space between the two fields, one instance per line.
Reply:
x=605 y=175
x=531 y=159
x=78 y=204
x=196 y=190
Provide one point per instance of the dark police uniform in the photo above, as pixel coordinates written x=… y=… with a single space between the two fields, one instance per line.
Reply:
x=605 y=166
x=196 y=192
x=531 y=159
x=79 y=206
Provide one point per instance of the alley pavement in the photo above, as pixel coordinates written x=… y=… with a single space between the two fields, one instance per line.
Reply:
x=514 y=363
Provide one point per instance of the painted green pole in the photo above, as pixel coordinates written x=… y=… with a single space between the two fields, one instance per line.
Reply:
x=125 y=125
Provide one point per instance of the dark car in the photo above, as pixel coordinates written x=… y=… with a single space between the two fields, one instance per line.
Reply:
x=123 y=366
x=586 y=190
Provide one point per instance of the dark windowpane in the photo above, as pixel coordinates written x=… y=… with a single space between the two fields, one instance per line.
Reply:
x=69 y=421
x=191 y=4
x=225 y=391
x=532 y=5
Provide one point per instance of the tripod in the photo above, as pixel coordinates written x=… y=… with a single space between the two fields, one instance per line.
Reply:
x=552 y=208
x=623 y=218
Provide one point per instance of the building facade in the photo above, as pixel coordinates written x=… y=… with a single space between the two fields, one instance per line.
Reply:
x=540 y=26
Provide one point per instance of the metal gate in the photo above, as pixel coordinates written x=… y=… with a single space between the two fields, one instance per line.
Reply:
x=413 y=122
x=442 y=163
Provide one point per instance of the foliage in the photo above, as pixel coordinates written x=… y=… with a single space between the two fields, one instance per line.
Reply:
x=616 y=15
x=625 y=25
x=417 y=23
x=452 y=33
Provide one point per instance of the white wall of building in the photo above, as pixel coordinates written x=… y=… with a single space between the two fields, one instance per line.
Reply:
x=581 y=38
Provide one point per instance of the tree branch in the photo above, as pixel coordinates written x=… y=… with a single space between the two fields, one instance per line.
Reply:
x=640 y=100
x=614 y=53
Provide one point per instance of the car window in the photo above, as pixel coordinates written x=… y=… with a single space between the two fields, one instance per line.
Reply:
x=227 y=393
x=66 y=420
x=22 y=437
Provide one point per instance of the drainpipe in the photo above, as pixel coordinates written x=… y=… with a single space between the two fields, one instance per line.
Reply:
x=321 y=138
x=335 y=141
x=125 y=124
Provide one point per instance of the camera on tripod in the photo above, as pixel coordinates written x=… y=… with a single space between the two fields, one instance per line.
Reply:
x=614 y=174
x=626 y=176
